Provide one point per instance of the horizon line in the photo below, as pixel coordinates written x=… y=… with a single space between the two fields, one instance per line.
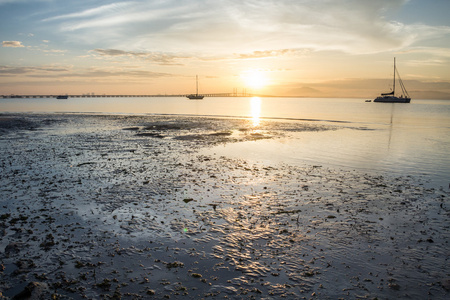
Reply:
x=211 y=95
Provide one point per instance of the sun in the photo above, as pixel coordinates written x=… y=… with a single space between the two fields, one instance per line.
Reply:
x=254 y=79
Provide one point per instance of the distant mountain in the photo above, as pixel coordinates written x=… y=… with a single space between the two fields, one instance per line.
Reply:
x=429 y=95
x=305 y=91
x=364 y=88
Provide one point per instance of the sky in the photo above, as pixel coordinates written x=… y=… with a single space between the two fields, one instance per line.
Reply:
x=309 y=48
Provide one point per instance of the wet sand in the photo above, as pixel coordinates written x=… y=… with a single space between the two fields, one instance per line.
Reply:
x=131 y=207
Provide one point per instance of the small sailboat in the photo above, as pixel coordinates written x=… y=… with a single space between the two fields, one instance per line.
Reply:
x=195 y=96
x=390 y=97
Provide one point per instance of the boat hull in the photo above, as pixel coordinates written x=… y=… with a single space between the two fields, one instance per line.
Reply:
x=195 y=97
x=392 y=99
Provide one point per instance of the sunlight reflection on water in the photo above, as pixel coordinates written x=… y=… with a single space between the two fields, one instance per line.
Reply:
x=256 y=110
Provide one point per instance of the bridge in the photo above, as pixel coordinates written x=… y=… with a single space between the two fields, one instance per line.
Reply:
x=121 y=96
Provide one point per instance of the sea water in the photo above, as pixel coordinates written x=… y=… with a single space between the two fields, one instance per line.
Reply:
x=387 y=138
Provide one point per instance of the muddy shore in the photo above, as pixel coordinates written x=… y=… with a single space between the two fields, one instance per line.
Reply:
x=131 y=207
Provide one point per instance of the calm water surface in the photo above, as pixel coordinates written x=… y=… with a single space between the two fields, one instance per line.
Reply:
x=404 y=139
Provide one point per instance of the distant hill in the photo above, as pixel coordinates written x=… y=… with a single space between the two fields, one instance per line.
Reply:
x=429 y=95
x=306 y=91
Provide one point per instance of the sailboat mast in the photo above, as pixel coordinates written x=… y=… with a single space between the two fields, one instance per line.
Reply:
x=196 y=79
x=394 y=79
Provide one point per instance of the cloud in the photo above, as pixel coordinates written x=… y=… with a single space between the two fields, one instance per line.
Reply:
x=271 y=53
x=206 y=27
x=434 y=51
x=51 y=72
x=351 y=26
x=19 y=1
x=161 y=58
x=13 y=44
x=54 y=51
x=29 y=70
x=101 y=73
x=93 y=12
x=172 y=59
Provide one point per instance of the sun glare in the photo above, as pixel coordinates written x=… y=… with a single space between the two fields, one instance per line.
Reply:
x=255 y=79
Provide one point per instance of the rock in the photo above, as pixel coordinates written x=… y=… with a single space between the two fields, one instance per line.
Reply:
x=394 y=286
x=23 y=266
x=175 y=264
x=446 y=284
x=13 y=248
x=33 y=291
x=48 y=242
x=150 y=134
x=131 y=128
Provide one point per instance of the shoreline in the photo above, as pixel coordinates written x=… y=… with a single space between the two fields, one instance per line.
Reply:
x=107 y=206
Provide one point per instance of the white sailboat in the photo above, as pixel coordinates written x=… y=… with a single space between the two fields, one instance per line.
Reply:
x=195 y=96
x=390 y=97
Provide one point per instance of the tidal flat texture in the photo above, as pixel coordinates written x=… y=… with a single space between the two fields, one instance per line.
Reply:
x=131 y=207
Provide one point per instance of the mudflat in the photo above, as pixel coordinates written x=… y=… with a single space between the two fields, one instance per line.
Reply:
x=133 y=207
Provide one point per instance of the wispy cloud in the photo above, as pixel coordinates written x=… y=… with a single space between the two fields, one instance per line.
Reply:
x=21 y=1
x=115 y=14
x=103 y=73
x=8 y=70
x=160 y=58
x=176 y=59
x=62 y=72
x=352 y=26
x=93 y=12
x=272 y=53
x=13 y=44
x=435 y=51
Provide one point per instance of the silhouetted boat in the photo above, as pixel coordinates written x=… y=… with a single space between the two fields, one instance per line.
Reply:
x=195 y=96
x=62 y=97
x=390 y=97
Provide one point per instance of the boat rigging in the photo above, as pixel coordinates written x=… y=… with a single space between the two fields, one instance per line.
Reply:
x=390 y=97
